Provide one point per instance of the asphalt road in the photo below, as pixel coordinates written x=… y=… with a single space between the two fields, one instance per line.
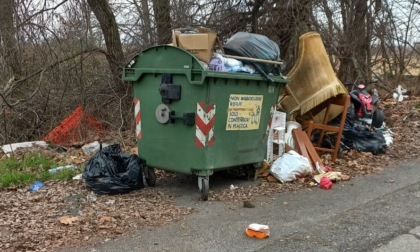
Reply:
x=379 y=212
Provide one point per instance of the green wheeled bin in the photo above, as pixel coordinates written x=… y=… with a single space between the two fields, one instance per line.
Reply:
x=194 y=121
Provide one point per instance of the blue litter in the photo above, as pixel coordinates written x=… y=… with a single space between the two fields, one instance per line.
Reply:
x=36 y=186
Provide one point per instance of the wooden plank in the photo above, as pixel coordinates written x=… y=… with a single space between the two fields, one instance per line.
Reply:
x=311 y=150
x=253 y=59
x=300 y=145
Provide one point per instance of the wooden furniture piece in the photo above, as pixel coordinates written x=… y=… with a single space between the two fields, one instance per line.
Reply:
x=306 y=149
x=343 y=101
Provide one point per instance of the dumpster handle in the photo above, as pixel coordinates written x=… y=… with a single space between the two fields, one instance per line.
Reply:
x=187 y=72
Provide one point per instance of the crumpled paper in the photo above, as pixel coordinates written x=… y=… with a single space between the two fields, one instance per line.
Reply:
x=333 y=176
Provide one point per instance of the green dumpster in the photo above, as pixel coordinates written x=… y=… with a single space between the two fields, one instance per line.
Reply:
x=195 y=121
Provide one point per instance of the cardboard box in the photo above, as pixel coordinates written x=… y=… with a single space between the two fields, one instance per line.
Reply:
x=200 y=44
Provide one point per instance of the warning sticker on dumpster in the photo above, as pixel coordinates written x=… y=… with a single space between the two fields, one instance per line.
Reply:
x=244 y=112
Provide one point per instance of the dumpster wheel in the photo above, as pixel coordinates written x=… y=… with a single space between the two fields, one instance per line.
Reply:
x=203 y=186
x=149 y=174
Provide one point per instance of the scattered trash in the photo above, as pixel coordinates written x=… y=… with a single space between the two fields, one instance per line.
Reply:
x=110 y=202
x=232 y=187
x=389 y=181
x=68 y=220
x=36 y=186
x=327 y=168
x=325 y=183
x=264 y=169
x=60 y=168
x=248 y=204
x=91 y=197
x=399 y=93
x=361 y=138
x=389 y=137
x=290 y=166
x=111 y=172
x=78 y=177
x=10 y=148
x=334 y=176
x=319 y=169
x=92 y=148
x=258 y=231
x=290 y=125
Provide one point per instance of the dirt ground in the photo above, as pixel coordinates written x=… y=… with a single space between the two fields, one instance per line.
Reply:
x=66 y=213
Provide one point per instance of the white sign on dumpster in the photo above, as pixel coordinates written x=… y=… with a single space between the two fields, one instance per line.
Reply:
x=244 y=112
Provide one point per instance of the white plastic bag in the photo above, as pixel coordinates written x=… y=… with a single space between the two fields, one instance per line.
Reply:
x=290 y=165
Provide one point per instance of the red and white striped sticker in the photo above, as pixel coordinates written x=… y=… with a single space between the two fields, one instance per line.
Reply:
x=204 y=121
x=137 y=115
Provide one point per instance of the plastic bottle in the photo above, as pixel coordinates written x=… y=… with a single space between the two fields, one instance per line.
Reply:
x=54 y=170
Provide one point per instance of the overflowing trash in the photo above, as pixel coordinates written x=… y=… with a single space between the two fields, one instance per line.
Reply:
x=243 y=52
x=223 y=64
x=255 y=46
x=293 y=152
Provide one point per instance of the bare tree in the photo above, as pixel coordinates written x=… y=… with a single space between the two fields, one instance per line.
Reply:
x=109 y=27
x=10 y=48
x=162 y=9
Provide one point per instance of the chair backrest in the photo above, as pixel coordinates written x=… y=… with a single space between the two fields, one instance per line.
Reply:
x=321 y=113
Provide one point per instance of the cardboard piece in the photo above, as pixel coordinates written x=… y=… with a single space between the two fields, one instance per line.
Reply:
x=200 y=44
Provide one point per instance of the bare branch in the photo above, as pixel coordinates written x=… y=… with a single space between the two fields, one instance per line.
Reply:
x=41 y=71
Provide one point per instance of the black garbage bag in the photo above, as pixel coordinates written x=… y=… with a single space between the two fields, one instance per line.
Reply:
x=255 y=46
x=111 y=172
x=362 y=139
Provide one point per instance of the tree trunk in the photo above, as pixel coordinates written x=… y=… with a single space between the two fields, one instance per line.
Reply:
x=361 y=39
x=147 y=24
x=8 y=34
x=163 y=20
x=109 y=28
x=143 y=11
x=256 y=6
x=354 y=42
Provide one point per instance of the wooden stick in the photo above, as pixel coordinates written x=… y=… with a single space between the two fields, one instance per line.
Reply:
x=253 y=59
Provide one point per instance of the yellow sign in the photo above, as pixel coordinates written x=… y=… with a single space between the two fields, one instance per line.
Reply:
x=244 y=112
